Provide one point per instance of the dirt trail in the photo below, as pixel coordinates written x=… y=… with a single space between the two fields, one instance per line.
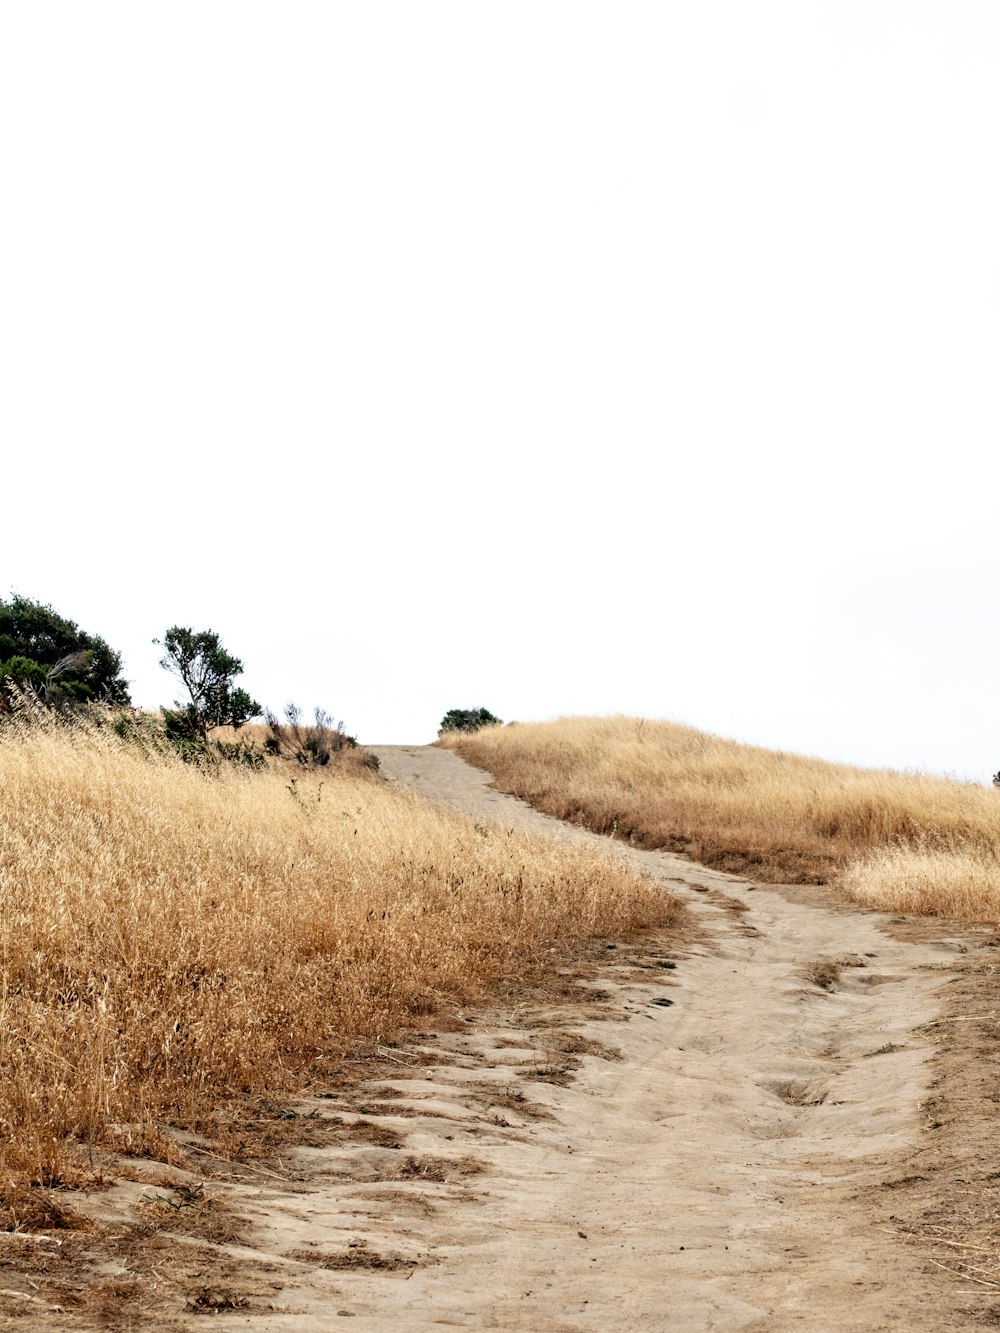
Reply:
x=712 y=1170
x=689 y=1141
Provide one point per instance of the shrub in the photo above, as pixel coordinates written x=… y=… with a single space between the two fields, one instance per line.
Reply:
x=468 y=719
x=312 y=744
x=181 y=735
x=145 y=730
x=23 y=671
x=241 y=753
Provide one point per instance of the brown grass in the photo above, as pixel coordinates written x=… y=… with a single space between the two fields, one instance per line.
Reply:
x=960 y=881
x=824 y=973
x=172 y=938
x=899 y=841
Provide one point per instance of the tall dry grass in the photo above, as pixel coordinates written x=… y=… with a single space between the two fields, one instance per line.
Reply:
x=905 y=842
x=170 y=938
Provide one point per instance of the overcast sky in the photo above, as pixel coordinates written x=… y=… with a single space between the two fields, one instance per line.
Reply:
x=551 y=357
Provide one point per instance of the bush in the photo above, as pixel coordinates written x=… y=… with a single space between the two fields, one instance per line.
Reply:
x=24 y=672
x=312 y=744
x=468 y=719
x=177 y=732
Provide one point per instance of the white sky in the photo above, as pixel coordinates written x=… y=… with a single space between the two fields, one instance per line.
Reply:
x=552 y=357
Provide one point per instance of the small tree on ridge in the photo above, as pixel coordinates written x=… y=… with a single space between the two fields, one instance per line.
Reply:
x=207 y=671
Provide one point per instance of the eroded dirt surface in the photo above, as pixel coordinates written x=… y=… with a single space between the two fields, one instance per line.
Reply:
x=774 y=1124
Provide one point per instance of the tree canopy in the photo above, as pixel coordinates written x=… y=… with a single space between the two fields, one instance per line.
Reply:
x=54 y=656
x=468 y=719
x=207 y=671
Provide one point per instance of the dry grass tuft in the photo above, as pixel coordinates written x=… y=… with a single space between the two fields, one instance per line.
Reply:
x=173 y=938
x=824 y=973
x=903 y=842
x=24 y=1209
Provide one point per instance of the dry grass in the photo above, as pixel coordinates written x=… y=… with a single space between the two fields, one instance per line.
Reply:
x=957 y=881
x=824 y=972
x=172 y=938
x=902 y=842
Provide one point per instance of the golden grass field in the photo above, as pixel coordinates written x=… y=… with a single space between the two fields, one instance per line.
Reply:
x=899 y=841
x=172 y=938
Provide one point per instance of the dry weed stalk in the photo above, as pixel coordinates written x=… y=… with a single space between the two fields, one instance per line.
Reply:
x=171 y=937
x=903 y=842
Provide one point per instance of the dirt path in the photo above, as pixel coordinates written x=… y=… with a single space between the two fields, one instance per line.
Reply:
x=707 y=1179
x=696 y=1136
x=714 y=1169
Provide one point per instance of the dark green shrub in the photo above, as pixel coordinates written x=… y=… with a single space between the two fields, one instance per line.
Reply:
x=138 y=728
x=23 y=671
x=183 y=737
x=468 y=719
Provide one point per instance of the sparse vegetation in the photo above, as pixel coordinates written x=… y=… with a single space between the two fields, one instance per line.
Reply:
x=311 y=744
x=173 y=937
x=824 y=972
x=900 y=841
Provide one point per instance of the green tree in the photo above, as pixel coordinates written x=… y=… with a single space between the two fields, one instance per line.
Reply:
x=55 y=657
x=207 y=671
x=468 y=719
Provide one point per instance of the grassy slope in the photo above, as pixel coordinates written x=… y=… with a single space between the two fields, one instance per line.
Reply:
x=901 y=841
x=171 y=939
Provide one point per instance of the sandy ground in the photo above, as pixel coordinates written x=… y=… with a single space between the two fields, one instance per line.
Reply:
x=696 y=1135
